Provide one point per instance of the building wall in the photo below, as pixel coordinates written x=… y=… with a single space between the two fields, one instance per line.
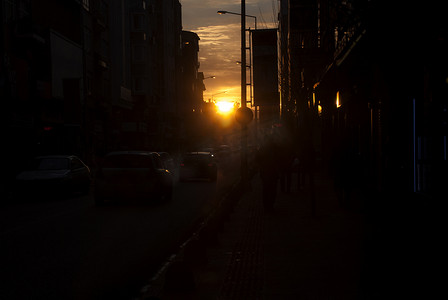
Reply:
x=390 y=114
x=265 y=74
x=191 y=97
x=79 y=78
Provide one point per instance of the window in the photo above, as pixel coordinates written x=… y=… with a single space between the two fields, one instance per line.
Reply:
x=9 y=11
x=139 y=84
x=138 y=36
x=76 y=164
x=158 y=162
x=52 y=164
x=139 y=53
x=138 y=22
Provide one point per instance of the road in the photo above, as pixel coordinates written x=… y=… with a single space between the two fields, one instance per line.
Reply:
x=71 y=249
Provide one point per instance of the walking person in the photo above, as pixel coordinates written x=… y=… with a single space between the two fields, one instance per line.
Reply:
x=308 y=168
x=269 y=172
x=286 y=165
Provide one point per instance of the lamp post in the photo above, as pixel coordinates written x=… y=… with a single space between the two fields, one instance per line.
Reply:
x=223 y=12
x=218 y=94
x=243 y=114
x=243 y=47
x=208 y=77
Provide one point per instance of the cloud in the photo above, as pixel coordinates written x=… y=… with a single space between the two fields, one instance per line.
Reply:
x=220 y=40
x=219 y=50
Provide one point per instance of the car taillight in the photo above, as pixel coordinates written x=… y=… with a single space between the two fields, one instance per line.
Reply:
x=182 y=165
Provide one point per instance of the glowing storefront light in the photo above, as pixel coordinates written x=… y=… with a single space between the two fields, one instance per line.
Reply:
x=338 y=103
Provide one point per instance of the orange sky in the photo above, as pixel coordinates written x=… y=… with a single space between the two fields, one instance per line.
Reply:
x=220 y=40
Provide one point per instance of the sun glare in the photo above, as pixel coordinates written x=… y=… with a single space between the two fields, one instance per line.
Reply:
x=224 y=106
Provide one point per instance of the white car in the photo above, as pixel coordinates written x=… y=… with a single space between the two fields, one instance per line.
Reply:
x=198 y=165
x=126 y=175
x=54 y=175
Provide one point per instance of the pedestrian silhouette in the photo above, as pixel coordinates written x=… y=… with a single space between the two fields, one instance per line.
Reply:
x=286 y=164
x=269 y=171
x=308 y=163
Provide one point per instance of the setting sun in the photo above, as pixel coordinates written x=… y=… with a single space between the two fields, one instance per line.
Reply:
x=224 y=106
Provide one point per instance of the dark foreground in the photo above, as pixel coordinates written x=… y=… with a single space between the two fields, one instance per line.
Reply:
x=367 y=248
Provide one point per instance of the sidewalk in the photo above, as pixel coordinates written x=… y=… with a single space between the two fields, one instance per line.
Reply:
x=288 y=254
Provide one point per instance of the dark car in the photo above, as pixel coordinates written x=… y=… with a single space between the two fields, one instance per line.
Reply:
x=209 y=149
x=126 y=175
x=54 y=175
x=168 y=161
x=198 y=165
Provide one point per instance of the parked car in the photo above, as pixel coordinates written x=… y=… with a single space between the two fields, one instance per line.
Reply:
x=198 y=165
x=136 y=175
x=54 y=175
x=168 y=161
x=209 y=149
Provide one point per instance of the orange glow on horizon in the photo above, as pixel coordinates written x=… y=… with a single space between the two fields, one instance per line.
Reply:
x=220 y=44
x=214 y=94
x=225 y=107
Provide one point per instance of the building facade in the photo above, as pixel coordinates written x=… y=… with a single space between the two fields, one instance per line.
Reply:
x=265 y=76
x=371 y=81
x=87 y=77
x=192 y=90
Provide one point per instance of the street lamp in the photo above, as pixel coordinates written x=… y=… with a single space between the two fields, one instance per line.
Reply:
x=218 y=94
x=239 y=63
x=243 y=114
x=204 y=78
x=243 y=48
x=223 y=12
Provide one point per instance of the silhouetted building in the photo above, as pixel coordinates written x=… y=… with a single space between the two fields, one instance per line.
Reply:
x=98 y=78
x=265 y=75
x=286 y=106
x=166 y=76
x=88 y=77
x=190 y=66
x=41 y=78
x=304 y=54
x=192 y=88
x=154 y=51
x=371 y=77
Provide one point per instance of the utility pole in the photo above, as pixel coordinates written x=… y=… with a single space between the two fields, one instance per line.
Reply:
x=243 y=93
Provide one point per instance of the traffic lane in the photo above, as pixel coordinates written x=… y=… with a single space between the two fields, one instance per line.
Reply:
x=19 y=213
x=146 y=240
x=93 y=250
